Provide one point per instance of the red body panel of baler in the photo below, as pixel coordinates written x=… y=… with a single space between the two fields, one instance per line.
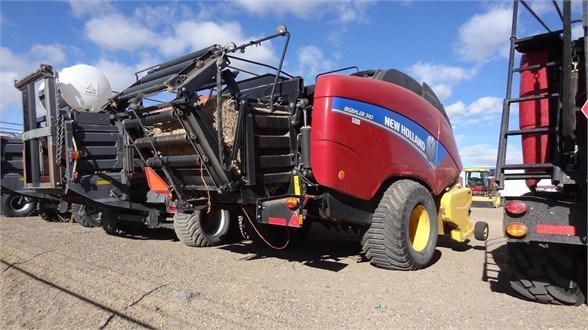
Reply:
x=366 y=131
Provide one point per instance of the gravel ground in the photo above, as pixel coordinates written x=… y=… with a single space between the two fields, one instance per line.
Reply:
x=62 y=275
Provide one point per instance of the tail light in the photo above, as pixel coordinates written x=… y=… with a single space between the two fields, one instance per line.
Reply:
x=516 y=207
x=516 y=230
x=291 y=202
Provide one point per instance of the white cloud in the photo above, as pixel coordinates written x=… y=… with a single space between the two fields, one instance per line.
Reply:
x=346 y=11
x=441 y=78
x=299 y=9
x=486 y=105
x=51 y=54
x=455 y=110
x=17 y=66
x=209 y=33
x=164 y=15
x=115 y=32
x=479 y=155
x=93 y=7
x=119 y=75
x=312 y=61
x=485 y=155
x=486 y=108
x=485 y=36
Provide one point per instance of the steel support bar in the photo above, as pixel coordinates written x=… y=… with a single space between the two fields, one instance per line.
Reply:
x=174 y=161
x=161 y=117
x=164 y=140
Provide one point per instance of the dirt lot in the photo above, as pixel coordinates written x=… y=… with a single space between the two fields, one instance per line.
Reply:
x=62 y=275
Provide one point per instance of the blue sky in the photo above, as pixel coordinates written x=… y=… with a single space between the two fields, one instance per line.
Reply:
x=460 y=48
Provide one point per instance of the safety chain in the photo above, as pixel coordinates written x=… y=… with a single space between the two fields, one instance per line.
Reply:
x=60 y=139
x=60 y=125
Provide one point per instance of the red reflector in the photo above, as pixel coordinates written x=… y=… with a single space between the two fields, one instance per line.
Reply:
x=74 y=155
x=294 y=222
x=516 y=207
x=156 y=183
x=556 y=229
x=277 y=221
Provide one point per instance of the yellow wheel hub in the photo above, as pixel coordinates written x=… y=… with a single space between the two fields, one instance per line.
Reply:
x=419 y=228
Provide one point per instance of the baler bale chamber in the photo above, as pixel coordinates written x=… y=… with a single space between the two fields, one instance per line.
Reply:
x=270 y=154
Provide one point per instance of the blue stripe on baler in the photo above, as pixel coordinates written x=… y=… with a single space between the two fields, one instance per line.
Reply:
x=407 y=130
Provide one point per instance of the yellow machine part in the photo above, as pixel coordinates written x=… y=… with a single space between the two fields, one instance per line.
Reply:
x=454 y=210
x=486 y=201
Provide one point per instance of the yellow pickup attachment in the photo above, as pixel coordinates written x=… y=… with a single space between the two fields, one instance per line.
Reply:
x=454 y=211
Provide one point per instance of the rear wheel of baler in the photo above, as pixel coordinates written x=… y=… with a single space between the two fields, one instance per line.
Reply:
x=403 y=232
x=202 y=229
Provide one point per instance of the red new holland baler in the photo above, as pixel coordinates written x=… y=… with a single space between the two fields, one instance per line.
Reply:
x=372 y=151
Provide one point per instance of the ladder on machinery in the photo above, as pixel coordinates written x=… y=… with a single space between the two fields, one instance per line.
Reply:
x=549 y=170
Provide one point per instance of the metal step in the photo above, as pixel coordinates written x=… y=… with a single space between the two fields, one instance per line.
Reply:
x=272 y=178
x=536 y=66
x=527 y=166
x=531 y=131
x=271 y=122
x=526 y=176
x=274 y=161
x=531 y=98
x=272 y=141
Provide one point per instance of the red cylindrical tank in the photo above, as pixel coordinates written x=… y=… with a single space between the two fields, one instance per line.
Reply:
x=534 y=113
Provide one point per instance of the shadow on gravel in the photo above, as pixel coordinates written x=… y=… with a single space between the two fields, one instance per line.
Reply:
x=447 y=242
x=323 y=249
x=80 y=297
x=496 y=267
x=144 y=233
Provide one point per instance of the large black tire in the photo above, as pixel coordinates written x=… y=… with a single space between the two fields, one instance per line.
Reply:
x=547 y=273
x=109 y=222
x=86 y=216
x=47 y=212
x=404 y=229
x=14 y=205
x=202 y=229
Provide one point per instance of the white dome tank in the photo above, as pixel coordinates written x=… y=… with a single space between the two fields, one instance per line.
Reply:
x=83 y=87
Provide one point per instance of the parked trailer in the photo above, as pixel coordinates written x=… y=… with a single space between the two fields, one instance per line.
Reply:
x=372 y=151
x=546 y=230
x=79 y=154
x=16 y=200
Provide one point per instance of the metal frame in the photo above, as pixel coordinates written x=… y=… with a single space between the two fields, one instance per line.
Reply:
x=551 y=170
x=210 y=163
x=35 y=136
